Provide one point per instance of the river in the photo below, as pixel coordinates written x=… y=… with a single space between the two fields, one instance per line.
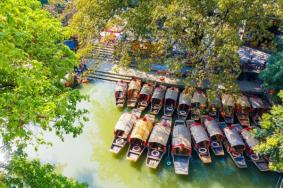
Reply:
x=87 y=159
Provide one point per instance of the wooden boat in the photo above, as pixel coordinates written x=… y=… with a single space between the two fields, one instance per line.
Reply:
x=258 y=108
x=133 y=92
x=198 y=105
x=121 y=93
x=260 y=162
x=157 y=99
x=228 y=108
x=216 y=136
x=201 y=142
x=243 y=109
x=145 y=96
x=170 y=103
x=122 y=130
x=157 y=142
x=181 y=147
x=184 y=106
x=214 y=108
x=139 y=136
x=235 y=146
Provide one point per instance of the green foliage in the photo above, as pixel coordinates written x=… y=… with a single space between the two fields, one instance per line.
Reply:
x=22 y=172
x=33 y=59
x=271 y=136
x=208 y=30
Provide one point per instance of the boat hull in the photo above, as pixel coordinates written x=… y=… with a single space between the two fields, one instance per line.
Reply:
x=153 y=160
x=260 y=163
x=169 y=110
x=218 y=151
x=181 y=164
x=117 y=145
x=243 y=119
x=205 y=158
x=131 y=103
x=155 y=109
x=240 y=161
x=135 y=152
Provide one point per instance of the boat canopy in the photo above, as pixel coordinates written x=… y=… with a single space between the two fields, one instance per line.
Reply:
x=256 y=102
x=216 y=101
x=121 y=86
x=159 y=93
x=198 y=132
x=249 y=139
x=199 y=97
x=146 y=90
x=142 y=130
x=185 y=98
x=135 y=85
x=228 y=100
x=233 y=137
x=243 y=101
x=171 y=94
x=160 y=134
x=212 y=127
x=181 y=136
x=125 y=123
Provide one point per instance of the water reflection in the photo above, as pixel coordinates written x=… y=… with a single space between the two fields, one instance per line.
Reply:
x=87 y=158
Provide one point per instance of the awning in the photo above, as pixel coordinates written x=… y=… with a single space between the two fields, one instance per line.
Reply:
x=142 y=130
x=135 y=85
x=172 y=94
x=228 y=100
x=212 y=127
x=181 y=136
x=249 y=139
x=125 y=123
x=121 y=86
x=243 y=101
x=185 y=98
x=159 y=93
x=233 y=137
x=199 y=97
x=256 y=102
x=160 y=134
x=146 y=90
x=198 y=133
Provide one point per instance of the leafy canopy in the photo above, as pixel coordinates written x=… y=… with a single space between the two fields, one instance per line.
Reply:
x=33 y=59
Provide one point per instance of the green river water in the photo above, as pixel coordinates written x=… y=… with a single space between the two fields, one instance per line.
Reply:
x=86 y=158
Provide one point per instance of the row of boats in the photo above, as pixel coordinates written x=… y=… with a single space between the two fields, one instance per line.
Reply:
x=247 y=109
x=143 y=133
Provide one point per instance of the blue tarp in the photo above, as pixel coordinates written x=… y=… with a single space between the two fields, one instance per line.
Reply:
x=71 y=44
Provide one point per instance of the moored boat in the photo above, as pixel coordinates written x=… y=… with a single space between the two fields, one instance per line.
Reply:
x=145 y=96
x=258 y=108
x=260 y=162
x=181 y=147
x=243 y=109
x=157 y=99
x=157 y=142
x=228 y=108
x=214 y=107
x=122 y=130
x=199 y=103
x=139 y=136
x=235 y=146
x=121 y=93
x=133 y=92
x=201 y=142
x=216 y=136
x=170 y=103
x=184 y=105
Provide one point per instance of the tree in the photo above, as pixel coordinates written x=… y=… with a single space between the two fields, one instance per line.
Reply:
x=33 y=60
x=271 y=136
x=206 y=33
x=22 y=172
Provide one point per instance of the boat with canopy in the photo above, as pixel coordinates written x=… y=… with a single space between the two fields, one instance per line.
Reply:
x=201 y=142
x=216 y=136
x=259 y=106
x=121 y=93
x=181 y=147
x=260 y=162
x=243 y=109
x=184 y=106
x=228 y=108
x=157 y=99
x=198 y=105
x=122 y=130
x=145 y=96
x=235 y=146
x=133 y=92
x=214 y=108
x=139 y=136
x=171 y=98
x=157 y=142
